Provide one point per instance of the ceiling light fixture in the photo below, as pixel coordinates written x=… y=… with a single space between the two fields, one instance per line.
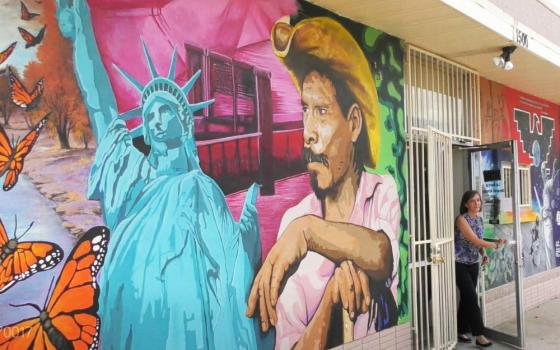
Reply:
x=504 y=60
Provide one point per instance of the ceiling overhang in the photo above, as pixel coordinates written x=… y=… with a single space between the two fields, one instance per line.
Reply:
x=470 y=32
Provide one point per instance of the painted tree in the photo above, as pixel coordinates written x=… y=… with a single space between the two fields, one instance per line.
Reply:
x=84 y=132
x=6 y=106
x=61 y=96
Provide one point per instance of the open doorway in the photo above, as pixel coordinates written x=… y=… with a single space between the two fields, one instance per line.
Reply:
x=443 y=108
x=440 y=174
x=493 y=171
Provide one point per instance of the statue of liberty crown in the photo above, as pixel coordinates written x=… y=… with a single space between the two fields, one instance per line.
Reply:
x=164 y=87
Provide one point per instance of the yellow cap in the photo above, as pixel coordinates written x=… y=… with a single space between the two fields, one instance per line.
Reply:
x=328 y=41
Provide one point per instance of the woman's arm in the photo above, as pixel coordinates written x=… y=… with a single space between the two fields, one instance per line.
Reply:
x=470 y=236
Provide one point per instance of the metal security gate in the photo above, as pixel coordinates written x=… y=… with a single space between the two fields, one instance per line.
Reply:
x=420 y=263
x=442 y=108
x=432 y=265
x=443 y=95
x=440 y=189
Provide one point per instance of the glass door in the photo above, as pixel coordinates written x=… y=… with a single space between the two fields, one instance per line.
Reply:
x=494 y=172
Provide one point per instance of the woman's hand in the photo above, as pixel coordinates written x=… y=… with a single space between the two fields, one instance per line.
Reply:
x=501 y=242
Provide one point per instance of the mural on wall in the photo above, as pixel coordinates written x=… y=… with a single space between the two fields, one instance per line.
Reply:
x=68 y=318
x=251 y=173
x=533 y=123
x=496 y=206
x=494 y=112
x=536 y=132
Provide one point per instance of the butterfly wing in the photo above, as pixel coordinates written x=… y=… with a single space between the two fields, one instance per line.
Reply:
x=24 y=11
x=21 y=335
x=37 y=92
x=19 y=94
x=28 y=37
x=42 y=341
x=28 y=259
x=25 y=14
x=6 y=265
x=7 y=273
x=73 y=305
x=76 y=331
x=39 y=36
x=6 y=53
x=26 y=144
x=5 y=151
x=23 y=148
x=12 y=176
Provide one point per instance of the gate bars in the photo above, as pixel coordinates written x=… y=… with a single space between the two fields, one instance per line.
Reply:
x=442 y=108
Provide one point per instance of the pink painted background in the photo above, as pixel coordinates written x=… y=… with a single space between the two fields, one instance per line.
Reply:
x=242 y=32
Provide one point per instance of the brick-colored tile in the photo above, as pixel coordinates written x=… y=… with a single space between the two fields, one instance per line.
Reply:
x=404 y=345
x=355 y=345
x=388 y=346
x=372 y=345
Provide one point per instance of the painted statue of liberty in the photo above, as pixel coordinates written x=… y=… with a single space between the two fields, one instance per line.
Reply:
x=179 y=268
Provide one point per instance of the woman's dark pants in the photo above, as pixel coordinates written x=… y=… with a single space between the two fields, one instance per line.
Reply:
x=469 y=316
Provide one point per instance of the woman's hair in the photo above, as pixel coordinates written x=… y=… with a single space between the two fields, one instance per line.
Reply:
x=467 y=196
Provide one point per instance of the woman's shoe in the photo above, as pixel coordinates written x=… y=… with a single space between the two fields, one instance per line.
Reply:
x=463 y=338
x=484 y=345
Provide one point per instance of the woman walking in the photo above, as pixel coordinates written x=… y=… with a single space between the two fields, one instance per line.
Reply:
x=468 y=245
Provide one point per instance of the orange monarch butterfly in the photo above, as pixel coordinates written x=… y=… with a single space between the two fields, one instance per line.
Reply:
x=11 y=159
x=21 y=97
x=25 y=14
x=20 y=260
x=32 y=40
x=6 y=53
x=69 y=320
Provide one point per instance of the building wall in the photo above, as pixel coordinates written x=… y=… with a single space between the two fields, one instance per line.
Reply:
x=537 y=290
x=510 y=114
x=397 y=338
x=189 y=236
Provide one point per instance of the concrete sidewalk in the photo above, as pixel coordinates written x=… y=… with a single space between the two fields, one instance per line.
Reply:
x=542 y=329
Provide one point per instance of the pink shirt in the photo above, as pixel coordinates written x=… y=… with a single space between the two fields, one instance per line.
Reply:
x=377 y=207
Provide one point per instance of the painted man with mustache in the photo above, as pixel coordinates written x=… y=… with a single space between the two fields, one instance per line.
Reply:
x=337 y=248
